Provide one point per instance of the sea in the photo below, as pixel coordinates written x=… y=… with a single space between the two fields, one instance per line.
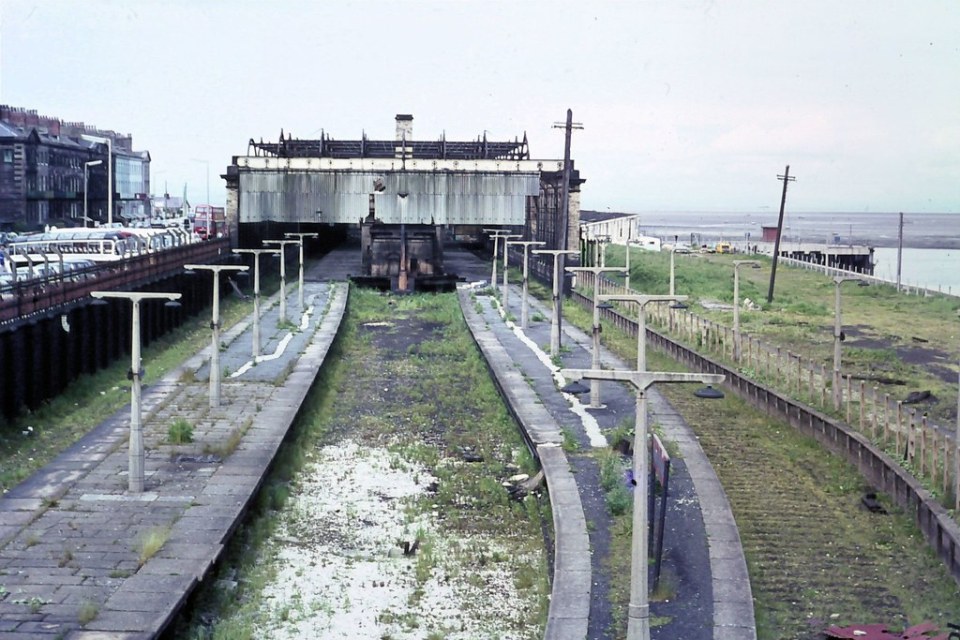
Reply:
x=931 y=241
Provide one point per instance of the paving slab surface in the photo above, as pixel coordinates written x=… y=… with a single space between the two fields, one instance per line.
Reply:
x=73 y=540
x=703 y=558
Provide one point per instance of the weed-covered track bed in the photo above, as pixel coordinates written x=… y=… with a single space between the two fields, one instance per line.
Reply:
x=388 y=517
x=815 y=555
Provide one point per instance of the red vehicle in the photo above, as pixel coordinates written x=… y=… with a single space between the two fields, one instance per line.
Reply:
x=208 y=221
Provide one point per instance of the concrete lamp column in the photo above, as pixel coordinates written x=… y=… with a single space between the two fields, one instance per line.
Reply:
x=526 y=246
x=215 y=325
x=736 y=304
x=597 y=272
x=505 y=293
x=641 y=302
x=300 y=237
x=525 y=308
x=838 y=337
x=282 y=245
x=135 y=473
x=638 y=613
x=256 y=293
x=557 y=306
x=86 y=166
x=497 y=234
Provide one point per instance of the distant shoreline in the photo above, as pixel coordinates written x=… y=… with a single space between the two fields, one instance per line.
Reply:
x=921 y=231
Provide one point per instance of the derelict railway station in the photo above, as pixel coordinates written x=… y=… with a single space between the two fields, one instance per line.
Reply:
x=403 y=199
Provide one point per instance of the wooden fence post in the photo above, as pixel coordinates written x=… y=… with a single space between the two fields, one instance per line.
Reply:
x=848 y=398
x=923 y=443
x=810 y=395
x=886 y=421
x=823 y=386
x=873 y=415
x=862 y=415
x=799 y=374
x=899 y=425
x=911 y=448
x=946 y=464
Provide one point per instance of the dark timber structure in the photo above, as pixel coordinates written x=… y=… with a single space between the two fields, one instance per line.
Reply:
x=403 y=198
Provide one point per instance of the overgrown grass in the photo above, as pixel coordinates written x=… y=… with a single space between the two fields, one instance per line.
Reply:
x=150 y=542
x=811 y=549
x=800 y=318
x=34 y=439
x=180 y=432
x=437 y=401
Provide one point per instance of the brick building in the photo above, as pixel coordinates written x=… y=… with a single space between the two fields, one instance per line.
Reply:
x=42 y=162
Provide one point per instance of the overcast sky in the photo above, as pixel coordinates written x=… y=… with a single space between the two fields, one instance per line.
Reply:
x=685 y=105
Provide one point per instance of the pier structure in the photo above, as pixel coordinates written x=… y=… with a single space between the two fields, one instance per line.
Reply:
x=849 y=257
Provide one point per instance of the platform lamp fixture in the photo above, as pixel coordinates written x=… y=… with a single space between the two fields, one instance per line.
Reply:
x=641 y=301
x=282 y=254
x=597 y=272
x=506 y=247
x=497 y=234
x=256 y=293
x=838 y=337
x=557 y=306
x=505 y=293
x=215 y=324
x=638 y=613
x=736 y=304
x=135 y=476
x=86 y=165
x=300 y=237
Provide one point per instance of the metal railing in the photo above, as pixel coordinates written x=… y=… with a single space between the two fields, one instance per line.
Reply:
x=37 y=296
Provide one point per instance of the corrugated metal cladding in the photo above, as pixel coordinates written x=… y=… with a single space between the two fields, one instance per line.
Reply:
x=343 y=197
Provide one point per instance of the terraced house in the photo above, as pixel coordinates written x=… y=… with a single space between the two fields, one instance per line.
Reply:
x=48 y=166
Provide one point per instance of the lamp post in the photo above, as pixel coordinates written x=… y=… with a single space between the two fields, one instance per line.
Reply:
x=638 y=613
x=256 y=293
x=209 y=206
x=524 y=309
x=109 y=142
x=300 y=237
x=626 y=280
x=838 y=337
x=506 y=246
x=282 y=244
x=215 y=325
x=736 y=304
x=673 y=253
x=505 y=293
x=91 y=163
x=557 y=307
x=135 y=473
x=496 y=234
x=641 y=301
x=596 y=271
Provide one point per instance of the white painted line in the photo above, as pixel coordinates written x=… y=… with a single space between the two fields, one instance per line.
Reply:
x=590 y=425
x=281 y=347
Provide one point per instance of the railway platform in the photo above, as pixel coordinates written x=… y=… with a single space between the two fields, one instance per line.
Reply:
x=703 y=558
x=82 y=558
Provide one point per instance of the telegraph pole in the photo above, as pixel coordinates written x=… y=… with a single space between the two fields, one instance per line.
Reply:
x=786 y=177
x=899 y=250
x=564 y=213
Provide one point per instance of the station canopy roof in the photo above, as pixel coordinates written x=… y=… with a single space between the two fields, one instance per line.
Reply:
x=443 y=149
